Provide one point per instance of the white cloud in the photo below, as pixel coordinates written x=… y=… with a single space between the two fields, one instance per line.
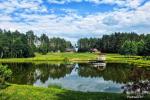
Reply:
x=121 y=3
x=63 y=1
x=72 y=25
x=9 y=6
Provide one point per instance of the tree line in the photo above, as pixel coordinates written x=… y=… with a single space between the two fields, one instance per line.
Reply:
x=19 y=45
x=22 y=45
x=123 y=43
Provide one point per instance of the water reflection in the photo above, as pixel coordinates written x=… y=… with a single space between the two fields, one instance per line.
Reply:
x=140 y=84
x=119 y=73
x=28 y=73
x=97 y=77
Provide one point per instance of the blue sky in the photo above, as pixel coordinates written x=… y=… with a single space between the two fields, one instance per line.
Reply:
x=74 y=19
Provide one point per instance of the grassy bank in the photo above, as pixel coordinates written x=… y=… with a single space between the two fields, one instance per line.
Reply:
x=72 y=57
x=24 y=92
x=137 y=60
x=79 y=57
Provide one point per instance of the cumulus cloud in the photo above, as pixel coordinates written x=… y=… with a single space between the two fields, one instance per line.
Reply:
x=24 y=15
x=63 y=1
x=121 y=3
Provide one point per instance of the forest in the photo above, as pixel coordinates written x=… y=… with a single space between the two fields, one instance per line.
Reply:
x=122 y=43
x=22 y=45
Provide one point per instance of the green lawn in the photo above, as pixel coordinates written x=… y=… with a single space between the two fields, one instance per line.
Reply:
x=137 y=60
x=25 y=92
x=79 y=57
x=72 y=57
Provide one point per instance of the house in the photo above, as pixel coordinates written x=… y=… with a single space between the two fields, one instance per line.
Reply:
x=94 y=50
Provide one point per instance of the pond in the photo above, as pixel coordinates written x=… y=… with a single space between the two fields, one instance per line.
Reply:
x=86 y=77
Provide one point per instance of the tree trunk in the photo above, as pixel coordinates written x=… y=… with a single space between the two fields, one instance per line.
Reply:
x=2 y=54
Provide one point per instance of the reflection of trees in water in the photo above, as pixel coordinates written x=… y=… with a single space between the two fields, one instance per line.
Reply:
x=140 y=85
x=54 y=71
x=28 y=73
x=87 y=70
x=120 y=73
x=130 y=75
x=139 y=74
x=22 y=73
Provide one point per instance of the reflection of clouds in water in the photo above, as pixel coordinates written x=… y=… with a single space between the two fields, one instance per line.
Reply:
x=114 y=88
x=79 y=77
x=38 y=83
x=37 y=73
x=77 y=83
x=75 y=70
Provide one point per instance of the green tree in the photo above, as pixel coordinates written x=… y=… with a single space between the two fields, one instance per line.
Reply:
x=44 y=46
x=86 y=44
x=14 y=45
x=146 y=51
x=129 y=48
x=43 y=49
x=31 y=38
x=140 y=46
x=59 y=44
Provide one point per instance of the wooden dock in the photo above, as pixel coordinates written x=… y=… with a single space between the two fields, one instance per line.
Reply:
x=100 y=62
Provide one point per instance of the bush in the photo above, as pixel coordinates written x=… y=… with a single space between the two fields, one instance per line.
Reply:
x=5 y=73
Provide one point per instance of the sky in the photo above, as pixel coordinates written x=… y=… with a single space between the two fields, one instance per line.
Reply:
x=74 y=19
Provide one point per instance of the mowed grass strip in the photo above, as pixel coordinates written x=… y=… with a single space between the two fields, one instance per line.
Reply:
x=72 y=57
x=26 y=92
x=137 y=60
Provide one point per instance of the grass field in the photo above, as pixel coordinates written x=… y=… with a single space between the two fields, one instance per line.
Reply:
x=137 y=60
x=72 y=57
x=25 y=92
x=79 y=57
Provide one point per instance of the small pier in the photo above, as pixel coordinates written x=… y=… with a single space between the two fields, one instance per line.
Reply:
x=100 y=58
x=100 y=62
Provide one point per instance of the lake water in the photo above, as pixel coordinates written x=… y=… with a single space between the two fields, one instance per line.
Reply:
x=95 y=77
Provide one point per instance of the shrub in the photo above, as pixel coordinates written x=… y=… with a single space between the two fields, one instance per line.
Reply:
x=5 y=73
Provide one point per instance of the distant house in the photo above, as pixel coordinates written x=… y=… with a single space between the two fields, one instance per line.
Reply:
x=95 y=50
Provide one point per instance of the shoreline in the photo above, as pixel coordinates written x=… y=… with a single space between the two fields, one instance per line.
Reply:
x=79 y=58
